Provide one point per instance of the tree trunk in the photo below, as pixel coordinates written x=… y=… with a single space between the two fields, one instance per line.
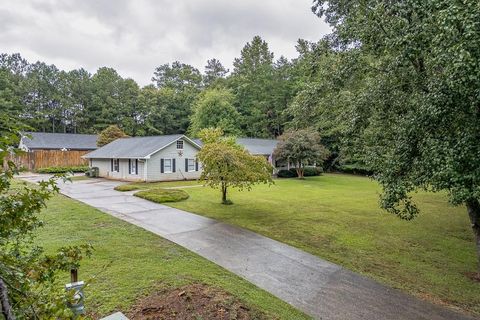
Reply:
x=473 y=209
x=5 y=308
x=224 y=192
x=300 y=171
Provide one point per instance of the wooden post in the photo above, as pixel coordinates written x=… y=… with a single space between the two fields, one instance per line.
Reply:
x=73 y=275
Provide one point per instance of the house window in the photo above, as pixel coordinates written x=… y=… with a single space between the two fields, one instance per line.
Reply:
x=167 y=165
x=133 y=166
x=191 y=165
x=179 y=144
x=116 y=165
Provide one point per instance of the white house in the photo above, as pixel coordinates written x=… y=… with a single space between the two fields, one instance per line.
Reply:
x=155 y=158
x=161 y=158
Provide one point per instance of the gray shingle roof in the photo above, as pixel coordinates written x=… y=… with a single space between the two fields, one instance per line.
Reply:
x=136 y=147
x=258 y=146
x=43 y=140
x=254 y=145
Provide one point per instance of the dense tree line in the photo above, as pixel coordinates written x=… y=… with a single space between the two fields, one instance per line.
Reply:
x=254 y=96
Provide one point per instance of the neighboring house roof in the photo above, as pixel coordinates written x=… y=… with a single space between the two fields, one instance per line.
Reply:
x=258 y=146
x=254 y=145
x=43 y=140
x=136 y=147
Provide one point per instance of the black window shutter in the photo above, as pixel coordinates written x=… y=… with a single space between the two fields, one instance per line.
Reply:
x=173 y=165
x=196 y=165
x=186 y=165
x=111 y=164
x=161 y=166
x=129 y=166
x=136 y=166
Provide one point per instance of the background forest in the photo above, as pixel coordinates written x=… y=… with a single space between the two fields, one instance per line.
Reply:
x=259 y=98
x=259 y=88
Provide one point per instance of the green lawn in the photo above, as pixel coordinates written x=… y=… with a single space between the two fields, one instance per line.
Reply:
x=336 y=217
x=164 y=184
x=140 y=262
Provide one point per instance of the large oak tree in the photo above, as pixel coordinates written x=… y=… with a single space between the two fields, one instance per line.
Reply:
x=422 y=126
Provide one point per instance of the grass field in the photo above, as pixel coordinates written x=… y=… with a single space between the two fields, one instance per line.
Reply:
x=139 y=262
x=336 y=217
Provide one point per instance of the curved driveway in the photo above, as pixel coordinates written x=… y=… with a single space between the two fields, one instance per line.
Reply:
x=315 y=286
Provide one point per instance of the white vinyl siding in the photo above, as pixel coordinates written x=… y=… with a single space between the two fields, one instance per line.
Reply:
x=153 y=171
x=150 y=169
x=105 y=169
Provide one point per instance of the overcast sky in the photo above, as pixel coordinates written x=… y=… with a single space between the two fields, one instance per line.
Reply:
x=135 y=36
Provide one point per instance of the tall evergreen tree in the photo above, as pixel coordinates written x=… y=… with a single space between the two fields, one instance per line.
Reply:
x=252 y=84
x=106 y=99
x=41 y=100
x=179 y=85
x=215 y=73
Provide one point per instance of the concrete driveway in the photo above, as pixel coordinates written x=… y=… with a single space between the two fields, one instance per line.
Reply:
x=315 y=286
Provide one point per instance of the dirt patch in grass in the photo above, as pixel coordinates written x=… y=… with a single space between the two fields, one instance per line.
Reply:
x=192 y=302
x=475 y=276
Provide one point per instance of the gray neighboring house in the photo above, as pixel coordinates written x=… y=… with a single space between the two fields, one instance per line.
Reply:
x=256 y=146
x=32 y=141
x=154 y=158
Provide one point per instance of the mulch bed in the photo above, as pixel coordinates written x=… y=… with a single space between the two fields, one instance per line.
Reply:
x=192 y=302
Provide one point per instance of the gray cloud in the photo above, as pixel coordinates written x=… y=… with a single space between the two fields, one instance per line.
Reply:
x=136 y=36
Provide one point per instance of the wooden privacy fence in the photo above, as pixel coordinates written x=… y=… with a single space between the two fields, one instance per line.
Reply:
x=37 y=159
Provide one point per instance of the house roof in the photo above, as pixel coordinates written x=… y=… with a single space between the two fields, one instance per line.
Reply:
x=254 y=146
x=43 y=140
x=258 y=146
x=136 y=147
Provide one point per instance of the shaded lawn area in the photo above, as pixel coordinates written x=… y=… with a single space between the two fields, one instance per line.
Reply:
x=337 y=217
x=140 y=262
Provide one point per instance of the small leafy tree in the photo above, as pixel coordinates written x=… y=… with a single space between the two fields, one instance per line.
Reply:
x=29 y=286
x=301 y=147
x=109 y=134
x=226 y=164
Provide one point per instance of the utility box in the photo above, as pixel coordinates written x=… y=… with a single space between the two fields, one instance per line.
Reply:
x=95 y=172
x=92 y=172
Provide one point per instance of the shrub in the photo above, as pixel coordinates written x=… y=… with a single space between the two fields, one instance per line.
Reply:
x=62 y=169
x=292 y=173
x=312 y=171
x=286 y=173
x=126 y=187
x=355 y=168
x=163 y=195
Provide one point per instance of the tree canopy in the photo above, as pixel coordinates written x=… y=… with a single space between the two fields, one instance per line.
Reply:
x=226 y=164
x=214 y=109
x=418 y=105
x=29 y=278
x=109 y=134
x=52 y=100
